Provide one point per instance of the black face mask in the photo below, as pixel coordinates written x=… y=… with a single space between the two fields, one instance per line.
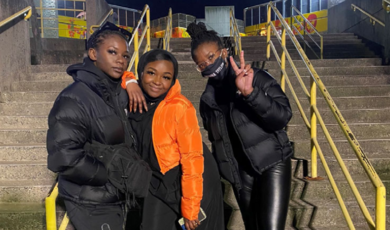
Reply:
x=217 y=70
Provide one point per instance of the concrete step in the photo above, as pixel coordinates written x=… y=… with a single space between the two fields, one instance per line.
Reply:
x=350 y=91
x=23 y=152
x=25 y=109
x=31 y=95
x=33 y=171
x=22 y=136
x=361 y=131
x=351 y=116
x=48 y=68
x=346 y=103
x=23 y=191
x=23 y=122
x=342 y=80
x=22 y=216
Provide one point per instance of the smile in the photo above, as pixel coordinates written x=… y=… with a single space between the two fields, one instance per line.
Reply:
x=154 y=89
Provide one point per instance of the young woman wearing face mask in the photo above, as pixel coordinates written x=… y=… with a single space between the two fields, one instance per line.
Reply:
x=89 y=134
x=185 y=175
x=245 y=111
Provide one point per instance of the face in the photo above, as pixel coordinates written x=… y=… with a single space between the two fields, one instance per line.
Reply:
x=157 y=77
x=206 y=53
x=111 y=56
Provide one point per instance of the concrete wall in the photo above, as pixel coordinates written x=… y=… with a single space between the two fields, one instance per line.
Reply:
x=15 y=55
x=343 y=19
x=96 y=11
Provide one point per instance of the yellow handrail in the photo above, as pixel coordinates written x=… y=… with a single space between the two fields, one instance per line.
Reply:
x=306 y=22
x=51 y=214
x=235 y=32
x=109 y=13
x=386 y=5
x=373 y=19
x=26 y=12
x=137 y=44
x=380 y=206
x=168 y=31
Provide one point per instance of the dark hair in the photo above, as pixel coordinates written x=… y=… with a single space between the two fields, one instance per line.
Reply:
x=108 y=29
x=199 y=35
x=157 y=55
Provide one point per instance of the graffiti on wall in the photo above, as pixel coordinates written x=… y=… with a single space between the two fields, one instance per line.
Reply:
x=318 y=19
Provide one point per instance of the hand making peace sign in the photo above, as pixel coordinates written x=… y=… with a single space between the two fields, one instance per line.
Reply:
x=244 y=75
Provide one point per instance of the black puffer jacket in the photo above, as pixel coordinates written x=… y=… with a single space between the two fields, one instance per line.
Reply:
x=258 y=120
x=86 y=110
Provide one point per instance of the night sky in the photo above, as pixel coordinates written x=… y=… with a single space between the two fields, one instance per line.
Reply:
x=159 y=8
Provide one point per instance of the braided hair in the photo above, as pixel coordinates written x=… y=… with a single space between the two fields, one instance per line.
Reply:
x=199 y=35
x=108 y=29
x=97 y=38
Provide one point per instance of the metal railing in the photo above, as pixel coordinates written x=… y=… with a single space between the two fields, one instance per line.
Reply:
x=258 y=8
x=26 y=12
x=168 y=31
x=386 y=5
x=315 y=116
x=306 y=23
x=104 y=19
x=373 y=19
x=137 y=44
x=235 y=33
x=42 y=11
x=51 y=213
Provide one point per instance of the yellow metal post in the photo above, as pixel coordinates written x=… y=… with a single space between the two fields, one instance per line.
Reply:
x=50 y=205
x=268 y=32
x=136 y=52
x=170 y=29
x=41 y=18
x=283 y=61
x=380 y=212
x=322 y=47
x=148 y=32
x=313 y=127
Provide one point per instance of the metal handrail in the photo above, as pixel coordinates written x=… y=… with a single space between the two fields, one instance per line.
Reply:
x=168 y=31
x=27 y=12
x=109 y=13
x=373 y=19
x=306 y=22
x=315 y=81
x=258 y=6
x=235 y=32
x=137 y=44
x=386 y=5
x=51 y=214
x=40 y=8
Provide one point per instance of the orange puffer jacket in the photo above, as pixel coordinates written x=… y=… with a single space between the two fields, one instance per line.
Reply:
x=177 y=140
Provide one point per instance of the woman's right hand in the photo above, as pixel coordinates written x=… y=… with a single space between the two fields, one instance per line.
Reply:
x=191 y=224
x=136 y=97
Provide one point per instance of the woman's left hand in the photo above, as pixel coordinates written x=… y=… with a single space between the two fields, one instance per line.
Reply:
x=244 y=75
x=191 y=224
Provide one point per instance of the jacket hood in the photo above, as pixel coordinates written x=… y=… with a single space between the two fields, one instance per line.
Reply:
x=92 y=76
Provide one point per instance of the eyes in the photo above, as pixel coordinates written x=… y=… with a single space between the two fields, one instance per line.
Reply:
x=113 y=52
x=152 y=73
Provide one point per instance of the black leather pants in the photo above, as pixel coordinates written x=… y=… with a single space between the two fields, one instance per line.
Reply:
x=264 y=198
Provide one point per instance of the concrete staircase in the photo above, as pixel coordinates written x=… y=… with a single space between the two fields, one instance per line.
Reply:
x=359 y=86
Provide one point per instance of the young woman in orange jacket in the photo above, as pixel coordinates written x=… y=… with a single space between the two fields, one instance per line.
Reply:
x=185 y=175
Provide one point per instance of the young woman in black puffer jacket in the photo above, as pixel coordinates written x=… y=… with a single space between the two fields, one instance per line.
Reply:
x=90 y=140
x=245 y=111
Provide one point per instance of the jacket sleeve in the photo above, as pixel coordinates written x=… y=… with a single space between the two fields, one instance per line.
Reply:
x=269 y=102
x=203 y=115
x=68 y=132
x=127 y=75
x=191 y=151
